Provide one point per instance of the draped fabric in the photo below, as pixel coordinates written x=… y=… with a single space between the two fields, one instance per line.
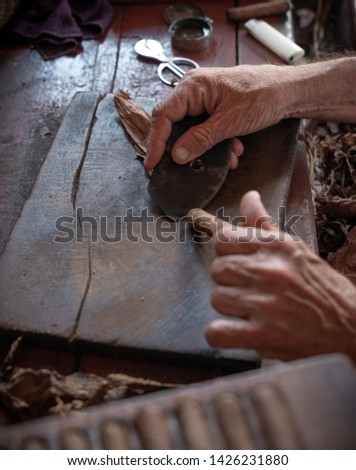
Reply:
x=57 y=27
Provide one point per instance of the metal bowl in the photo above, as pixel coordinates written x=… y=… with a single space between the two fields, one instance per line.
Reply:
x=192 y=34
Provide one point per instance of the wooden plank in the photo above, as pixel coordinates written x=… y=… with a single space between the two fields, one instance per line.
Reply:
x=266 y=166
x=300 y=202
x=138 y=292
x=33 y=99
x=42 y=283
x=139 y=76
x=144 y=287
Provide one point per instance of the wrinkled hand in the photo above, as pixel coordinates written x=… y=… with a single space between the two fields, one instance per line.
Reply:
x=292 y=303
x=240 y=100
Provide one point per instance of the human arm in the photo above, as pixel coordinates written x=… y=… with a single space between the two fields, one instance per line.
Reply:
x=290 y=303
x=243 y=99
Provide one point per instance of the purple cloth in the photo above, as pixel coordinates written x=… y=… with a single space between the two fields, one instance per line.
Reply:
x=57 y=27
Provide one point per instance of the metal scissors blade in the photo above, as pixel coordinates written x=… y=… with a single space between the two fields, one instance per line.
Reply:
x=152 y=49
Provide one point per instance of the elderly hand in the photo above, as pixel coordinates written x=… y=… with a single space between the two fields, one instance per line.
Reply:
x=290 y=303
x=243 y=99
x=239 y=100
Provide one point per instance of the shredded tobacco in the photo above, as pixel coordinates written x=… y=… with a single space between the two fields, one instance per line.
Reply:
x=27 y=393
x=331 y=151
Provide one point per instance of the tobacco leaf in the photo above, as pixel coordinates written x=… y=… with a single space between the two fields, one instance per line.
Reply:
x=337 y=207
x=344 y=260
x=331 y=151
x=27 y=393
x=136 y=121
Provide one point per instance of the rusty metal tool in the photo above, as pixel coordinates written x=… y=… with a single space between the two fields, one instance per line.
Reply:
x=178 y=188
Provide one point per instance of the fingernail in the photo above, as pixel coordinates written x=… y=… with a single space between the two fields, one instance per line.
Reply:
x=182 y=154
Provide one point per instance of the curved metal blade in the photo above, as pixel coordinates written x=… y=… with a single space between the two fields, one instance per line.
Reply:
x=151 y=49
x=178 y=188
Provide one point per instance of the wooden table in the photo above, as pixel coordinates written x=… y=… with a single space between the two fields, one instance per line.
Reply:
x=34 y=97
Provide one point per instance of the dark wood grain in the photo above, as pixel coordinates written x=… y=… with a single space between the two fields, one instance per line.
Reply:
x=145 y=21
x=300 y=201
x=130 y=289
x=42 y=283
x=266 y=166
x=33 y=98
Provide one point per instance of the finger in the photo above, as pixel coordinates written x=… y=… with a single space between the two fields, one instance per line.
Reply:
x=253 y=210
x=232 y=270
x=243 y=301
x=237 y=147
x=236 y=301
x=199 y=139
x=234 y=161
x=231 y=239
x=228 y=238
x=244 y=334
x=248 y=240
x=157 y=140
x=183 y=101
x=202 y=221
x=170 y=110
x=233 y=334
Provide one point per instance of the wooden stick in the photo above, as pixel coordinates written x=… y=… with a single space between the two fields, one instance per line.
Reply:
x=258 y=10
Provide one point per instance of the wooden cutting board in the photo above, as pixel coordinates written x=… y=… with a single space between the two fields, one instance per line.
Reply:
x=66 y=274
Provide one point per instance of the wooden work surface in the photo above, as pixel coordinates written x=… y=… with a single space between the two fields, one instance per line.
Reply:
x=117 y=278
x=34 y=97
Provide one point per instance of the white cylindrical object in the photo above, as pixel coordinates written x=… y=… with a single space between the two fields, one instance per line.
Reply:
x=274 y=40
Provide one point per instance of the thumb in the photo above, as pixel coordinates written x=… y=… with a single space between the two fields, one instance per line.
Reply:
x=196 y=141
x=254 y=211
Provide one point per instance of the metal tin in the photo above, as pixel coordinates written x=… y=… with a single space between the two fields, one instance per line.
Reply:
x=179 y=11
x=192 y=34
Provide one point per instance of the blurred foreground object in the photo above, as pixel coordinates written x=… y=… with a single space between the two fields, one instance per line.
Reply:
x=7 y=9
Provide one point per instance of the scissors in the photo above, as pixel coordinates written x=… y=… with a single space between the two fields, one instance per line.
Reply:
x=152 y=49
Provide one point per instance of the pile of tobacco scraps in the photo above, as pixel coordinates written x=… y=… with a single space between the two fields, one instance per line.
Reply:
x=331 y=150
x=27 y=393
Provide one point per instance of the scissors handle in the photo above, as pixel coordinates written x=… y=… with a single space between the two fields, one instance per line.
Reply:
x=173 y=66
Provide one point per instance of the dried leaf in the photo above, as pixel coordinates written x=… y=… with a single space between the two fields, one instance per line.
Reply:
x=29 y=393
x=136 y=121
x=337 y=207
x=344 y=260
x=7 y=366
x=331 y=150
